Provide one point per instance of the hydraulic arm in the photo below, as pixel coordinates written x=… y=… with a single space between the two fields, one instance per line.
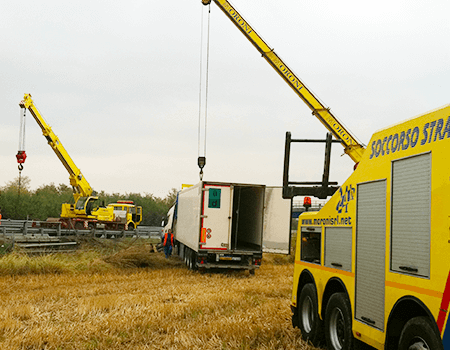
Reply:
x=351 y=146
x=81 y=187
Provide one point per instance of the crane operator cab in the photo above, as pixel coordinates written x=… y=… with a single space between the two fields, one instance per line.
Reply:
x=92 y=207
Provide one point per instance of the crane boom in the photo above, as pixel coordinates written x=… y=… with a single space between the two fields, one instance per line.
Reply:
x=80 y=185
x=351 y=146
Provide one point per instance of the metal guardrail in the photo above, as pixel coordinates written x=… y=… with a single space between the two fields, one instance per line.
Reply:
x=27 y=227
x=29 y=236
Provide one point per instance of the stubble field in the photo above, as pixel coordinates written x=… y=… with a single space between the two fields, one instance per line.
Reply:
x=132 y=299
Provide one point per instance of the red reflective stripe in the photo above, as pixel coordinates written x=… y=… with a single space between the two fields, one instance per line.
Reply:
x=444 y=305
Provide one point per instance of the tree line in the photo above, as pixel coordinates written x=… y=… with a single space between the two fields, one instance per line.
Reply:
x=19 y=202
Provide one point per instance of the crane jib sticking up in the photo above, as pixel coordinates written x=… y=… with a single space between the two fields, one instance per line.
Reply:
x=352 y=147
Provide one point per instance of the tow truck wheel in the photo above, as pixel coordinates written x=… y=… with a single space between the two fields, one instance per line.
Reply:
x=338 y=323
x=309 y=321
x=419 y=334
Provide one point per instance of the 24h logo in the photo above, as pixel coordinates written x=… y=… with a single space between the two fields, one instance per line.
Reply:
x=346 y=196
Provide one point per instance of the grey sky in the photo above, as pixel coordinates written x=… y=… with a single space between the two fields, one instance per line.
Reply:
x=119 y=84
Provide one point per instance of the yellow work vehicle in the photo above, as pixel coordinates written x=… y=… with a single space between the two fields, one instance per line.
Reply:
x=87 y=211
x=126 y=212
x=373 y=263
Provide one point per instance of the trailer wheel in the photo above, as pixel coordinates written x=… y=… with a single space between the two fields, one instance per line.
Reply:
x=338 y=323
x=190 y=259
x=194 y=261
x=309 y=321
x=186 y=256
x=419 y=334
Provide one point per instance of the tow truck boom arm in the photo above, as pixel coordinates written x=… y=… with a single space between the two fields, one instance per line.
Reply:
x=352 y=147
x=80 y=185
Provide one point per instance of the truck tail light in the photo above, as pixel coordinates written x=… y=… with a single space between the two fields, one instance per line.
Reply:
x=257 y=261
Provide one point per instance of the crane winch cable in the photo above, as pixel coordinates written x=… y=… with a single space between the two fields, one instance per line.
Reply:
x=21 y=155
x=201 y=161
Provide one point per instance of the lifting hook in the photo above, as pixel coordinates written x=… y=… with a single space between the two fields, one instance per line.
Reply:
x=201 y=164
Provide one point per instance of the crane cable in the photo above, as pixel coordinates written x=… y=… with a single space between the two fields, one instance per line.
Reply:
x=202 y=159
x=21 y=155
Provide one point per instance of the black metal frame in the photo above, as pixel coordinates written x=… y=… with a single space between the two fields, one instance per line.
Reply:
x=321 y=189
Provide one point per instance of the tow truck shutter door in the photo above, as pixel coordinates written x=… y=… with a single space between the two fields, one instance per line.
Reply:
x=370 y=252
x=411 y=210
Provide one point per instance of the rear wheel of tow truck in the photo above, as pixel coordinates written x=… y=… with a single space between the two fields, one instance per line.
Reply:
x=130 y=226
x=308 y=319
x=419 y=334
x=338 y=323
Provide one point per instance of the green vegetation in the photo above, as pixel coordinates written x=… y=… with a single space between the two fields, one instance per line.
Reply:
x=19 y=202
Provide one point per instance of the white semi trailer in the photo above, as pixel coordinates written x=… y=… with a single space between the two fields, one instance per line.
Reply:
x=221 y=225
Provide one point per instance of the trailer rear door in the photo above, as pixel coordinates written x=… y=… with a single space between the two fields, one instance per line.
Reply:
x=277 y=221
x=216 y=217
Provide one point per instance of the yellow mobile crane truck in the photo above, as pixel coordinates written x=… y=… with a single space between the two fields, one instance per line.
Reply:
x=373 y=264
x=87 y=211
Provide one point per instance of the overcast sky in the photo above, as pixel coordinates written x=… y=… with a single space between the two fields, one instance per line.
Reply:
x=118 y=81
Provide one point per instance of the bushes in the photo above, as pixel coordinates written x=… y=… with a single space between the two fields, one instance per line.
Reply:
x=20 y=203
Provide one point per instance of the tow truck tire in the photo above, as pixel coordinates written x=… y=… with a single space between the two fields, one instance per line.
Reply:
x=308 y=320
x=419 y=333
x=338 y=323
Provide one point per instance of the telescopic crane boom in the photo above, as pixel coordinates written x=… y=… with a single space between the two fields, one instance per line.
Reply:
x=80 y=185
x=351 y=146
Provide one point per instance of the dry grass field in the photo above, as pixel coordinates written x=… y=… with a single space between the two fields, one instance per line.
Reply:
x=129 y=298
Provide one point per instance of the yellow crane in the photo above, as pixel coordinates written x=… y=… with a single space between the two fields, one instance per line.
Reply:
x=86 y=212
x=351 y=146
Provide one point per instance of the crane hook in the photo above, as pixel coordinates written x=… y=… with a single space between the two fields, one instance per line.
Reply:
x=21 y=156
x=201 y=164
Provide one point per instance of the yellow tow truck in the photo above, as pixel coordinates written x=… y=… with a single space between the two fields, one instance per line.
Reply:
x=87 y=211
x=373 y=264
